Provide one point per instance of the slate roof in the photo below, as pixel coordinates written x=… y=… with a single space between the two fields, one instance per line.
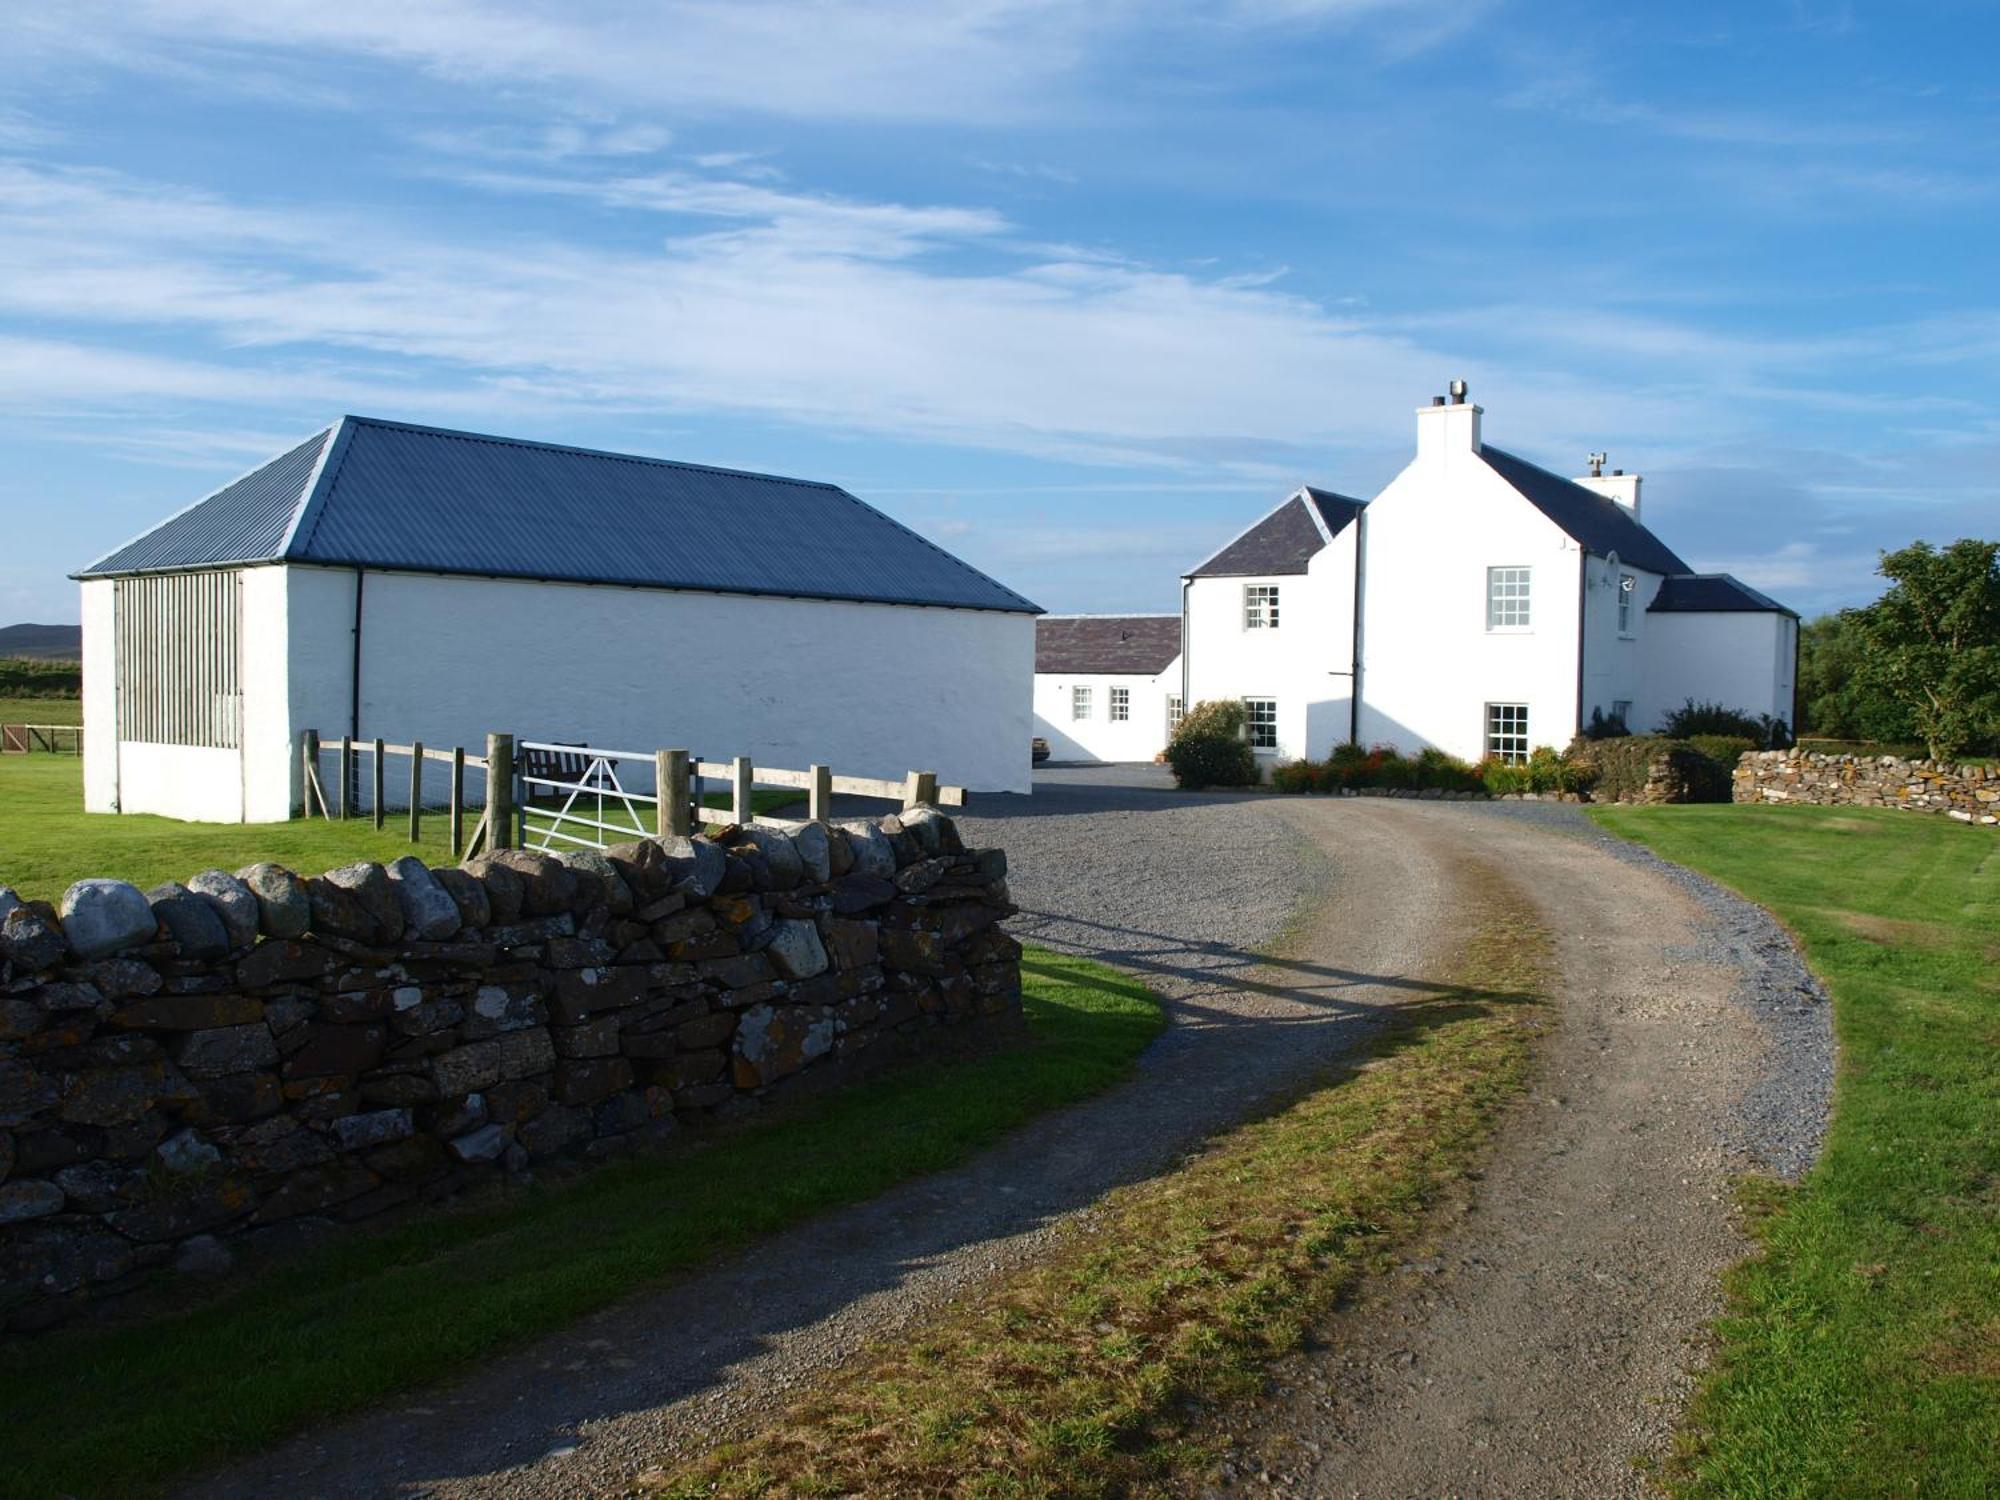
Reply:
x=1594 y=522
x=378 y=494
x=1285 y=540
x=1712 y=593
x=1143 y=645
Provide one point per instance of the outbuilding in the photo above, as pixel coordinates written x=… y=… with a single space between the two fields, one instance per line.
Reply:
x=1107 y=687
x=410 y=583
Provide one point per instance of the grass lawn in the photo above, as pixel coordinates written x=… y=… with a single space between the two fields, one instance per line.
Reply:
x=47 y=840
x=1089 y=1375
x=121 y=1412
x=1861 y=1351
x=41 y=710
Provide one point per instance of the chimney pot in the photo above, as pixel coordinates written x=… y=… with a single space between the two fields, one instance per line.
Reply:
x=1457 y=392
x=1437 y=401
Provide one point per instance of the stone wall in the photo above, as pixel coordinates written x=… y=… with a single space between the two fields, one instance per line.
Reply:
x=1969 y=793
x=236 y=1058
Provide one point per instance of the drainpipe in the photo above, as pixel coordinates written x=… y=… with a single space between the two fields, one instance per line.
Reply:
x=1354 y=678
x=1186 y=583
x=1582 y=629
x=351 y=792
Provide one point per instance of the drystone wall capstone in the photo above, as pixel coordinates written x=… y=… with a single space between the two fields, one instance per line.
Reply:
x=1970 y=794
x=185 y=1069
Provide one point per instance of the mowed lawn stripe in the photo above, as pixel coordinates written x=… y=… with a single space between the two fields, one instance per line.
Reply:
x=1861 y=1352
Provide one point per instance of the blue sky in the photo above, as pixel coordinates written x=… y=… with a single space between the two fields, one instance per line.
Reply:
x=1076 y=290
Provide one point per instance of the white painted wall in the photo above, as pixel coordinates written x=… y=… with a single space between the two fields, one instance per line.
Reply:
x=100 y=696
x=869 y=689
x=270 y=754
x=193 y=782
x=1614 y=662
x=1099 y=738
x=1305 y=664
x=1745 y=661
x=1429 y=664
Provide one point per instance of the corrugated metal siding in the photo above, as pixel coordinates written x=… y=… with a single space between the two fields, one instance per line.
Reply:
x=422 y=499
x=245 y=521
x=178 y=659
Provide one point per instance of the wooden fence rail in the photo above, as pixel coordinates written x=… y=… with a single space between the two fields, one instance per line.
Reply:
x=23 y=739
x=518 y=773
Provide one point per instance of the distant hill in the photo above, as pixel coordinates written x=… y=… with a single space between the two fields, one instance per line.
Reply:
x=42 y=642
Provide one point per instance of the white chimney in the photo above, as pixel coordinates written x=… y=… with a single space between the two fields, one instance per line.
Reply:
x=1617 y=485
x=1450 y=424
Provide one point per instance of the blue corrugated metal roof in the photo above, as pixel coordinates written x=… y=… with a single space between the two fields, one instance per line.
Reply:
x=1594 y=522
x=247 y=520
x=423 y=499
x=1713 y=593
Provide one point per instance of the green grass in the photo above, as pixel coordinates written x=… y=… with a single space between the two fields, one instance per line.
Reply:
x=1089 y=1374
x=15 y=710
x=121 y=1412
x=1860 y=1355
x=47 y=840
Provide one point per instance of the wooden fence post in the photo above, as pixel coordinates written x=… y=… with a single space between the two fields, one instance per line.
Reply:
x=819 y=796
x=670 y=773
x=499 y=791
x=457 y=801
x=742 y=777
x=376 y=784
x=346 y=778
x=920 y=789
x=416 y=791
x=308 y=769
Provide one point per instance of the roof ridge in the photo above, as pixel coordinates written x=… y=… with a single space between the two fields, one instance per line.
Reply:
x=1141 y=614
x=547 y=447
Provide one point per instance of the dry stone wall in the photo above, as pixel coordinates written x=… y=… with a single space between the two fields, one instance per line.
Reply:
x=246 y=1054
x=1969 y=793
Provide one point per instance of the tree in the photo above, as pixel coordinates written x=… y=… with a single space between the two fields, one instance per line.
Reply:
x=1838 y=697
x=1934 y=641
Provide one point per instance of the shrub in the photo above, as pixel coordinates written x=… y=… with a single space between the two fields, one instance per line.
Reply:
x=1602 y=728
x=1435 y=768
x=1502 y=778
x=1724 y=749
x=1620 y=768
x=1208 y=749
x=1694 y=719
x=1297 y=776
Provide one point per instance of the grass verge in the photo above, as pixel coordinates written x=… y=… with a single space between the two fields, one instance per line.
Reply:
x=121 y=1411
x=1088 y=1374
x=1860 y=1354
x=47 y=840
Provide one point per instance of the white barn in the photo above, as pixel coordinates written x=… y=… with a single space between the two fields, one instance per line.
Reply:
x=410 y=583
x=1479 y=603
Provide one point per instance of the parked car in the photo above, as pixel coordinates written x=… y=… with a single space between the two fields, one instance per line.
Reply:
x=1039 y=750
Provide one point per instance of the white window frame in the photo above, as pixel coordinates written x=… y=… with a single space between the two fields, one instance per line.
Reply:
x=1260 y=606
x=1176 y=711
x=1506 y=731
x=1119 y=705
x=1262 y=735
x=1510 y=590
x=1079 y=704
x=1628 y=601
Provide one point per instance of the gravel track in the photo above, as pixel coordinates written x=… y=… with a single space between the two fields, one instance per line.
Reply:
x=1556 y=1321
x=1189 y=893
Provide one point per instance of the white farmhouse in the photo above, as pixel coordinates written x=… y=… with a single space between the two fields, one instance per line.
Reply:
x=410 y=583
x=1479 y=603
x=1107 y=687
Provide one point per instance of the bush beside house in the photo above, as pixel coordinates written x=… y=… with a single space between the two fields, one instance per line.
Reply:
x=1208 y=748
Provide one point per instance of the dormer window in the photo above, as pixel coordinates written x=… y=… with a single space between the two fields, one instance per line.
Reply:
x=1260 y=606
x=1507 y=600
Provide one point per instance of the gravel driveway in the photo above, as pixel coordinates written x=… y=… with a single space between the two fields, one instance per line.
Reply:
x=1278 y=930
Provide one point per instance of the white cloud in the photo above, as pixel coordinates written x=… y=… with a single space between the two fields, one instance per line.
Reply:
x=884 y=59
